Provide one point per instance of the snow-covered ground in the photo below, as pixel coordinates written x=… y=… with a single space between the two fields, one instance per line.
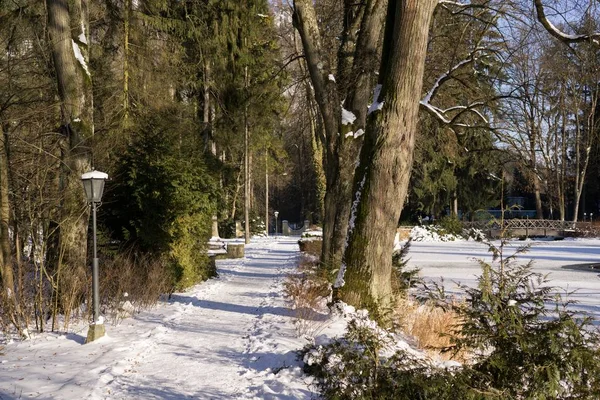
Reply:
x=234 y=337
x=229 y=338
x=564 y=261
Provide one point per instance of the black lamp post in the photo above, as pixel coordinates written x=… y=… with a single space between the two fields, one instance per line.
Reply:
x=276 y=213
x=93 y=184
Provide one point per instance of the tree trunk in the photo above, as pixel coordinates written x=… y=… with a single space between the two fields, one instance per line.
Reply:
x=7 y=281
x=266 y=192
x=539 y=212
x=356 y=60
x=305 y=21
x=381 y=181
x=68 y=29
x=349 y=141
x=246 y=170
x=6 y=259
x=126 y=29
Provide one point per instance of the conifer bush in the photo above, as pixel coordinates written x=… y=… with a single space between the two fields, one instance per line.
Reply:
x=162 y=197
x=523 y=341
x=402 y=277
x=451 y=226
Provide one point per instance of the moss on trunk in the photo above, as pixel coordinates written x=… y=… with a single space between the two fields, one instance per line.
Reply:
x=381 y=181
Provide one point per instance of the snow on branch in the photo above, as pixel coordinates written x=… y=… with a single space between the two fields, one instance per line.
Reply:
x=560 y=35
x=453 y=3
x=437 y=112
x=444 y=77
x=442 y=114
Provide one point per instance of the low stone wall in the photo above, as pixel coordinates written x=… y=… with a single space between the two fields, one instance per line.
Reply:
x=286 y=230
x=235 y=250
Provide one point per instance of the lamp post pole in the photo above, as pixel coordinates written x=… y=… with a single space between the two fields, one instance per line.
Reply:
x=267 y=194
x=93 y=184
x=276 y=215
x=95 y=277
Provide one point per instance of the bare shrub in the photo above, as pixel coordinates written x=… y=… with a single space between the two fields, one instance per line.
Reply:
x=132 y=282
x=308 y=291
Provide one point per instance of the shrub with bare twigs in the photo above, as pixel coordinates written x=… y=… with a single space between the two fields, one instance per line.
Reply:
x=131 y=282
x=308 y=291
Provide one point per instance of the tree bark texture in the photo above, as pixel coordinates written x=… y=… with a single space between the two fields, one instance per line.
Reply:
x=357 y=61
x=68 y=30
x=6 y=259
x=246 y=170
x=126 y=31
x=382 y=178
x=358 y=96
x=305 y=21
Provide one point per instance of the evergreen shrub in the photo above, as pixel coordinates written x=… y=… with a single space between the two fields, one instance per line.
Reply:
x=227 y=229
x=403 y=278
x=161 y=199
x=451 y=225
x=519 y=347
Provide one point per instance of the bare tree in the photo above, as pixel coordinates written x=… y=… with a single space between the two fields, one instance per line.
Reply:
x=381 y=180
x=351 y=81
x=581 y=101
x=68 y=29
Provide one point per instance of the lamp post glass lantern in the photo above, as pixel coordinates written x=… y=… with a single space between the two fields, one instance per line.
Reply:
x=93 y=184
x=276 y=213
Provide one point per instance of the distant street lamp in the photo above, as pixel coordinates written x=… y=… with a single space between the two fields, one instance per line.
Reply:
x=93 y=184
x=276 y=215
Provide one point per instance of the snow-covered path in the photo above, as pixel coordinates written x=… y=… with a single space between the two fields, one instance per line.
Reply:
x=231 y=337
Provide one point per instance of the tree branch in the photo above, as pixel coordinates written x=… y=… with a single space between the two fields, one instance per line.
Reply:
x=560 y=35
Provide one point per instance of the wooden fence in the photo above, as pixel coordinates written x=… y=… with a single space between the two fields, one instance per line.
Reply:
x=531 y=226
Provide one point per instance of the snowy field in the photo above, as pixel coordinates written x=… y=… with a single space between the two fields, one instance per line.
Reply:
x=234 y=337
x=566 y=262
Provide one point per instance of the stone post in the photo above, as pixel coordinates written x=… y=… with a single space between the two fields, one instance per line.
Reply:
x=285 y=228
x=215 y=227
x=306 y=225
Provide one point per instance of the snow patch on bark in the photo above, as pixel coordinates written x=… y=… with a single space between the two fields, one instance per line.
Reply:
x=339 y=280
x=356 y=134
x=348 y=117
x=82 y=38
x=376 y=105
x=79 y=57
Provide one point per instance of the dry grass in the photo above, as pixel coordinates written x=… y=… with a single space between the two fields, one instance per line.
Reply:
x=308 y=291
x=431 y=326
